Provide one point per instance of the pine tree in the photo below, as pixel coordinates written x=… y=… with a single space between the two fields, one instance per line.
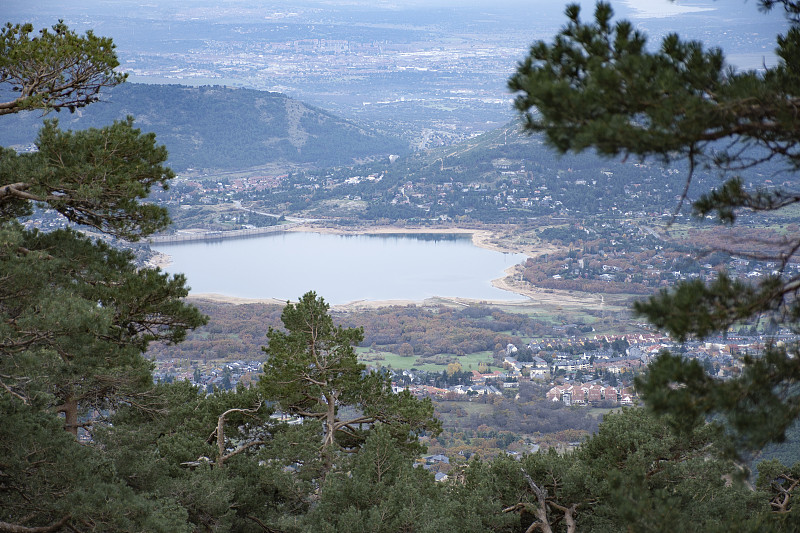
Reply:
x=597 y=86
x=313 y=372
x=76 y=314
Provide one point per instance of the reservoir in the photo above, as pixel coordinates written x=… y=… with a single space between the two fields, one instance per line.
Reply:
x=342 y=268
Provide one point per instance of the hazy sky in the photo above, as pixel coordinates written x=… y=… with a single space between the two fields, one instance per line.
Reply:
x=640 y=8
x=645 y=6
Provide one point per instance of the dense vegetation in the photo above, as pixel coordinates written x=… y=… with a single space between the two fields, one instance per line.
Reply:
x=77 y=314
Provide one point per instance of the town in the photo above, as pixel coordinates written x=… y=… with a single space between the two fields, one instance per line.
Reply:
x=581 y=371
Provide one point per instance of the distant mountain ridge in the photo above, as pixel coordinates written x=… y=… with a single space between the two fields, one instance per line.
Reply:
x=221 y=128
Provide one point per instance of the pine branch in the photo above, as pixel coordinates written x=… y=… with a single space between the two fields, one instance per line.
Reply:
x=6 y=527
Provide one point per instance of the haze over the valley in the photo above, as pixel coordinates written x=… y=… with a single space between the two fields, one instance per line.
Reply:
x=434 y=72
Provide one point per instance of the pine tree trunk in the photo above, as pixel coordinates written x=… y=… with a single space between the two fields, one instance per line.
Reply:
x=330 y=421
x=70 y=410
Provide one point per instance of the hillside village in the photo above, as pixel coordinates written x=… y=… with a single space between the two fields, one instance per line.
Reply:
x=580 y=378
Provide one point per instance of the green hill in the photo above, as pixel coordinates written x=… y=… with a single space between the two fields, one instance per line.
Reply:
x=222 y=128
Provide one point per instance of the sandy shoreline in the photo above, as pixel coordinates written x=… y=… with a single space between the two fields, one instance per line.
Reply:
x=159 y=260
x=360 y=305
x=513 y=282
x=482 y=238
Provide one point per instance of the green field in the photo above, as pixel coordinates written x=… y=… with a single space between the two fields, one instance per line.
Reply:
x=387 y=359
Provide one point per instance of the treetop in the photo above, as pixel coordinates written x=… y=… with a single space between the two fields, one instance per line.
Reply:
x=56 y=69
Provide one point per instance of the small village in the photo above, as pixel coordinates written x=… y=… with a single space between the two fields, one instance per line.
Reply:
x=600 y=377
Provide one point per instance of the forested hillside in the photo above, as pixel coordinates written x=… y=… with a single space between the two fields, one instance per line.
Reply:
x=221 y=128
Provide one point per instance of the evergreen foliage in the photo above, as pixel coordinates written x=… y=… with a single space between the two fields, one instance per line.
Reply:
x=76 y=314
x=56 y=69
x=313 y=372
x=597 y=86
x=382 y=491
x=171 y=451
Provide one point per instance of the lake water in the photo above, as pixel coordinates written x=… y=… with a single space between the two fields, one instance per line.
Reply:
x=343 y=268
